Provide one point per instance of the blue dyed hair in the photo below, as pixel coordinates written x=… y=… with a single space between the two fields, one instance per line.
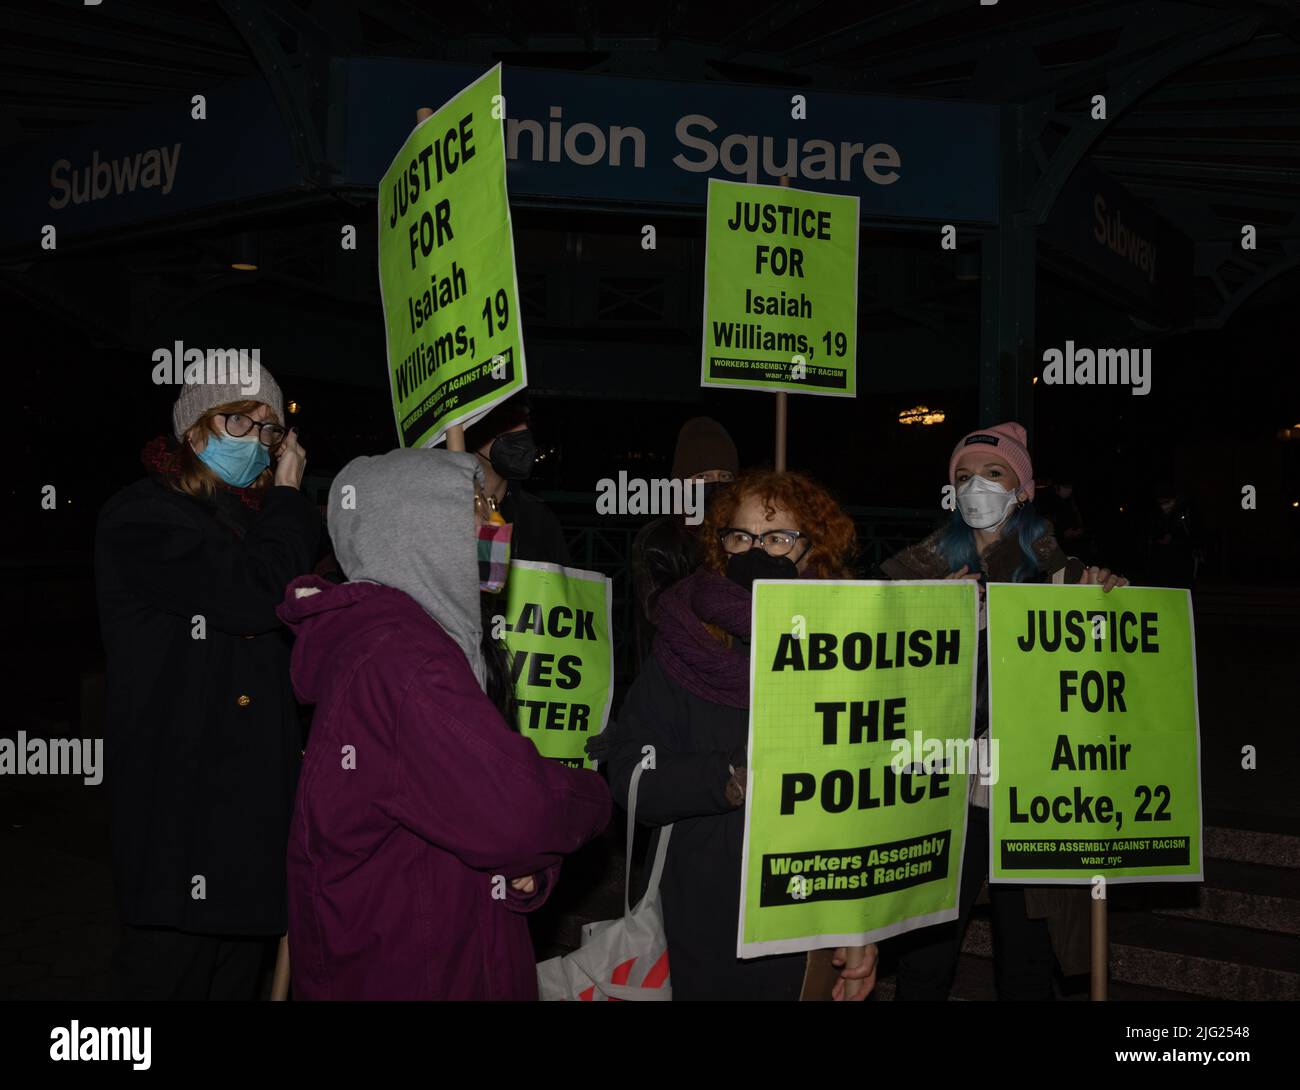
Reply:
x=957 y=542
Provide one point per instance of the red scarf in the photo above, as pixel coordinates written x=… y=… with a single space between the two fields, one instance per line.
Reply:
x=159 y=457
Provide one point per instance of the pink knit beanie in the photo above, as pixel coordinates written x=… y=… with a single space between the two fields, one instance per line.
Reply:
x=1009 y=442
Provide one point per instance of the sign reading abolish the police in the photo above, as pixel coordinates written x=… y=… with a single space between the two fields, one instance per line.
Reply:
x=780 y=289
x=447 y=268
x=855 y=813
x=1092 y=704
x=558 y=639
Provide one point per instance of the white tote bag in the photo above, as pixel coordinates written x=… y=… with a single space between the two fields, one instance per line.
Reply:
x=618 y=959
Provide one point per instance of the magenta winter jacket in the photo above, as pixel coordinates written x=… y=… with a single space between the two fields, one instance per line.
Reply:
x=414 y=795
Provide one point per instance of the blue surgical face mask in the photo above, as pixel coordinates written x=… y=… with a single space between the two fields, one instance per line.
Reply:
x=238 y=462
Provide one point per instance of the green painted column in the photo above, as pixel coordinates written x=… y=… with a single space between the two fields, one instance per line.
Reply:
x=1008 y=356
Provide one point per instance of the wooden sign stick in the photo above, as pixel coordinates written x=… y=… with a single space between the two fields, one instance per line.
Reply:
x=456 y=433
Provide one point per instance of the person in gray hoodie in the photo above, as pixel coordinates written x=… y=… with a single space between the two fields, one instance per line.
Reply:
x=424 y=827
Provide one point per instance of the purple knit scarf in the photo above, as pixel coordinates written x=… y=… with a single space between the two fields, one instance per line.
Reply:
x=689 y=653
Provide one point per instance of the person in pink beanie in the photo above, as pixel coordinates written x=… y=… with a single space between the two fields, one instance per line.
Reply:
x=995 y=534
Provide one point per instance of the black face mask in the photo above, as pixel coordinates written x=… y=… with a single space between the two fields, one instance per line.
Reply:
x=513 y=454
x=744 y=568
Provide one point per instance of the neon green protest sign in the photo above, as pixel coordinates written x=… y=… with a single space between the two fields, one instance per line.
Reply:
x=862 y=699
x=780 y=290
x=557 y=635
x=447 y=268
x=1095 y=734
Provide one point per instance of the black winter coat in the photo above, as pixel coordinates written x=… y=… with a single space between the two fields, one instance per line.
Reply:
x=537 y=533
x=695 y=743
x=202 y=737
x=663 y=551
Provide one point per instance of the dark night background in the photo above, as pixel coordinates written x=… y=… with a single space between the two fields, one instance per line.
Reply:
x=613 y=339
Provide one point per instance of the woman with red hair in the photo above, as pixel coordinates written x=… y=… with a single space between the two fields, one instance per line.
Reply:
x=690 y=702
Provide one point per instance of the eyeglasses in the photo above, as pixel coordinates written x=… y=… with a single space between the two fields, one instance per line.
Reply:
x=238 y=425
x=772 y=542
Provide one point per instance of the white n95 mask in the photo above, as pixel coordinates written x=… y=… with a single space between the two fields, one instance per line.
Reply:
x=984 y=504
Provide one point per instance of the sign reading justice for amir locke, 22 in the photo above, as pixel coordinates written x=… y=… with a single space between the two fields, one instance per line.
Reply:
x=1092 y=703
x=447 y=268
x=854 y=828
x=780 y=290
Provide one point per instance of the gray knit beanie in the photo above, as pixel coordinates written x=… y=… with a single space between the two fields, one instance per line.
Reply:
x=197 y=398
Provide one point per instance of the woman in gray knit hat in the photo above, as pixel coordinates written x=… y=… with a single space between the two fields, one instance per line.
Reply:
x=201 y=730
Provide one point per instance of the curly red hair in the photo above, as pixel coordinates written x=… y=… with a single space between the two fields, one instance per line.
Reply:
x=832 y=533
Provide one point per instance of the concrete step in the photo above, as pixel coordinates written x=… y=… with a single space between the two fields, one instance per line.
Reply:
x=974 y=982
x=1234 y=909
x=1251 y=846
x=1243 y=895
x=1207 y=960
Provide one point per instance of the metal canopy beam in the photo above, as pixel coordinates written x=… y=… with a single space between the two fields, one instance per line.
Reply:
x=1191 y=146
x=1141 y=116
x=1119 y=97
x=408 y=21
x=109 y=94
x=192 y=30
x=670 y=15
x=1040 y=30
x=504 y=21
x=772 y=19
x=1209 y=90
x=1157 y=168
x=584 y=20
x=55 y=62
x=900 y=19
x=136 y=43
x=1205 y=192
x=295 y=82
x=1259 y=280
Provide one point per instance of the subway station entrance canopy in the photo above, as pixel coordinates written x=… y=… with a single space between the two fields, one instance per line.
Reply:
x=934 y=113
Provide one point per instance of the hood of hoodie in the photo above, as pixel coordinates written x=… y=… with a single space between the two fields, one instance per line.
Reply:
x=323 y=621
x=405 y=519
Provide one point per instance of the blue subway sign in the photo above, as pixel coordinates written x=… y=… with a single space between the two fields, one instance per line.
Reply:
x=657 y=142
x=150 y=164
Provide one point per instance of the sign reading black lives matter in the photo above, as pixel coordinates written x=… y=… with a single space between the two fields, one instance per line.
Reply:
x=447 y=268
x=557 y=635
x=780 y=290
